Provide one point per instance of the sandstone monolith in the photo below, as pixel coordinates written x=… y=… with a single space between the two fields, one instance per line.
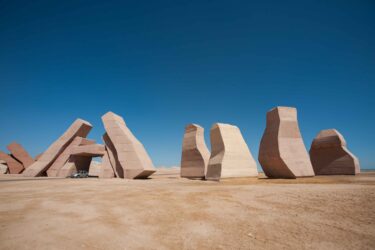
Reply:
x=131 y=154
x=78 y=128
x=230 y=155
x=282 y=152
x=106 y=170
x=330 y=156
x=14 y=166
x=19 y=153
x=195 y=155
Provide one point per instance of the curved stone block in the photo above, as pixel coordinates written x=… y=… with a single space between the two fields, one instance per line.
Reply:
x=78 y=128
x=230 y=155
x=195 y=155
x=14 y=166
x=330 y=156
x=19 y=153
x=131 y=154
x=282 y=153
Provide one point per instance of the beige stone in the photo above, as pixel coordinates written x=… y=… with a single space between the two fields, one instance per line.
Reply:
x=282 y=152
x=330 y=156
x=112 y=157
x=64 y=156
x=19 y=153
x=14 y=166
x=78 y=128
x=230 y=155
x=37 y=156
x=95 y=168
x=131 y=154
x=106 y=170
x=93 y=150
x=3 y=168
x=195 y=155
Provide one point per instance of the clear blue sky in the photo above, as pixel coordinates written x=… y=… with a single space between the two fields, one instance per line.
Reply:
x=163 y=64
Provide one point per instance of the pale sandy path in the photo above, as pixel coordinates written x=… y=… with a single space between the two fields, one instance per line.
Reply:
x=172 y=213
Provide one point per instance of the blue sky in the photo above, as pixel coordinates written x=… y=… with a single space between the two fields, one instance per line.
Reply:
x=164 y=64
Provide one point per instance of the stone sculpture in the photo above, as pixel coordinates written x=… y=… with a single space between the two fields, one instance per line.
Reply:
x=131 y=154
x=78 y=128
x=106 y=170
x=112 y=157
x=195 y=155
x=282 y=153
x=14 y=166
x=330 y=156
x=74 y=164
x=54 y=169
x=20 y=154
x=230 y=156
x=92 y=150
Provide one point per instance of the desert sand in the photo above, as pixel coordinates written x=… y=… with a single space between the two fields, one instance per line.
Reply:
x=166 y=212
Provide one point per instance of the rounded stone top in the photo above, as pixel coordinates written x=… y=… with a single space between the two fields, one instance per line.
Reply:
x=192 y=127
x=328 y=138
x=282 y=113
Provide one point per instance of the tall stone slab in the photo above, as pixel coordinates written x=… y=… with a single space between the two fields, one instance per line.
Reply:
x=330 y=156
x=106 y=170
x=78 y=128
x=64 y=156
x=131 y=154
x=14 y=166
x=282 y=152
x=19 y=153
x=230 y=155
x=112 y=156
x=195 y=155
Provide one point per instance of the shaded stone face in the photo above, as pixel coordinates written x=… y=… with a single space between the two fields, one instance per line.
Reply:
x=131 y=155
x=19 y=153
x=230 y=155
x=3 y=168
x=282 y=152
x=195 y=154
x=14 y=166
x=330 y=156
x=75 y=164
x=106 y=170
x=60 y=161
x=79 y=128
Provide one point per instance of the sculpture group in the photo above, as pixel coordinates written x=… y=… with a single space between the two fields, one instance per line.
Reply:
x=282 y=152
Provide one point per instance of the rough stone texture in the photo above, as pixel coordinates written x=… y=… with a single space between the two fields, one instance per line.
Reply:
x=131 y=154
x=230 y=156
x=3 y=168
x=78 y=128
x=195 y=155
x=19 y=153
x=74 y=164
x=112 y=157
x=14 y=166
x=64 y=156
x=93 y=150
x=330 y=156
x=106 y=170
x=282 y=153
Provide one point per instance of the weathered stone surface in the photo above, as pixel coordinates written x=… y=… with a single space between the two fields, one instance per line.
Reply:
x=282 y=152
x=19 y=153
x=230 y=156
x=106 y=170
x=131 y=154
x=330 y=156
x=78 y=128
x=93 y=150
x=14 y=166
x=74 y=164
x=195 y=155
x=64 y=156
x=3 y=168
x=112 y=157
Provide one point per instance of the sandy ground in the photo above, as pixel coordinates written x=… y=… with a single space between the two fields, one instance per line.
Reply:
x=171 y=213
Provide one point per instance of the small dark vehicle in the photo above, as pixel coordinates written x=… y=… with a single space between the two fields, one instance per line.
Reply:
x=80 y=174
